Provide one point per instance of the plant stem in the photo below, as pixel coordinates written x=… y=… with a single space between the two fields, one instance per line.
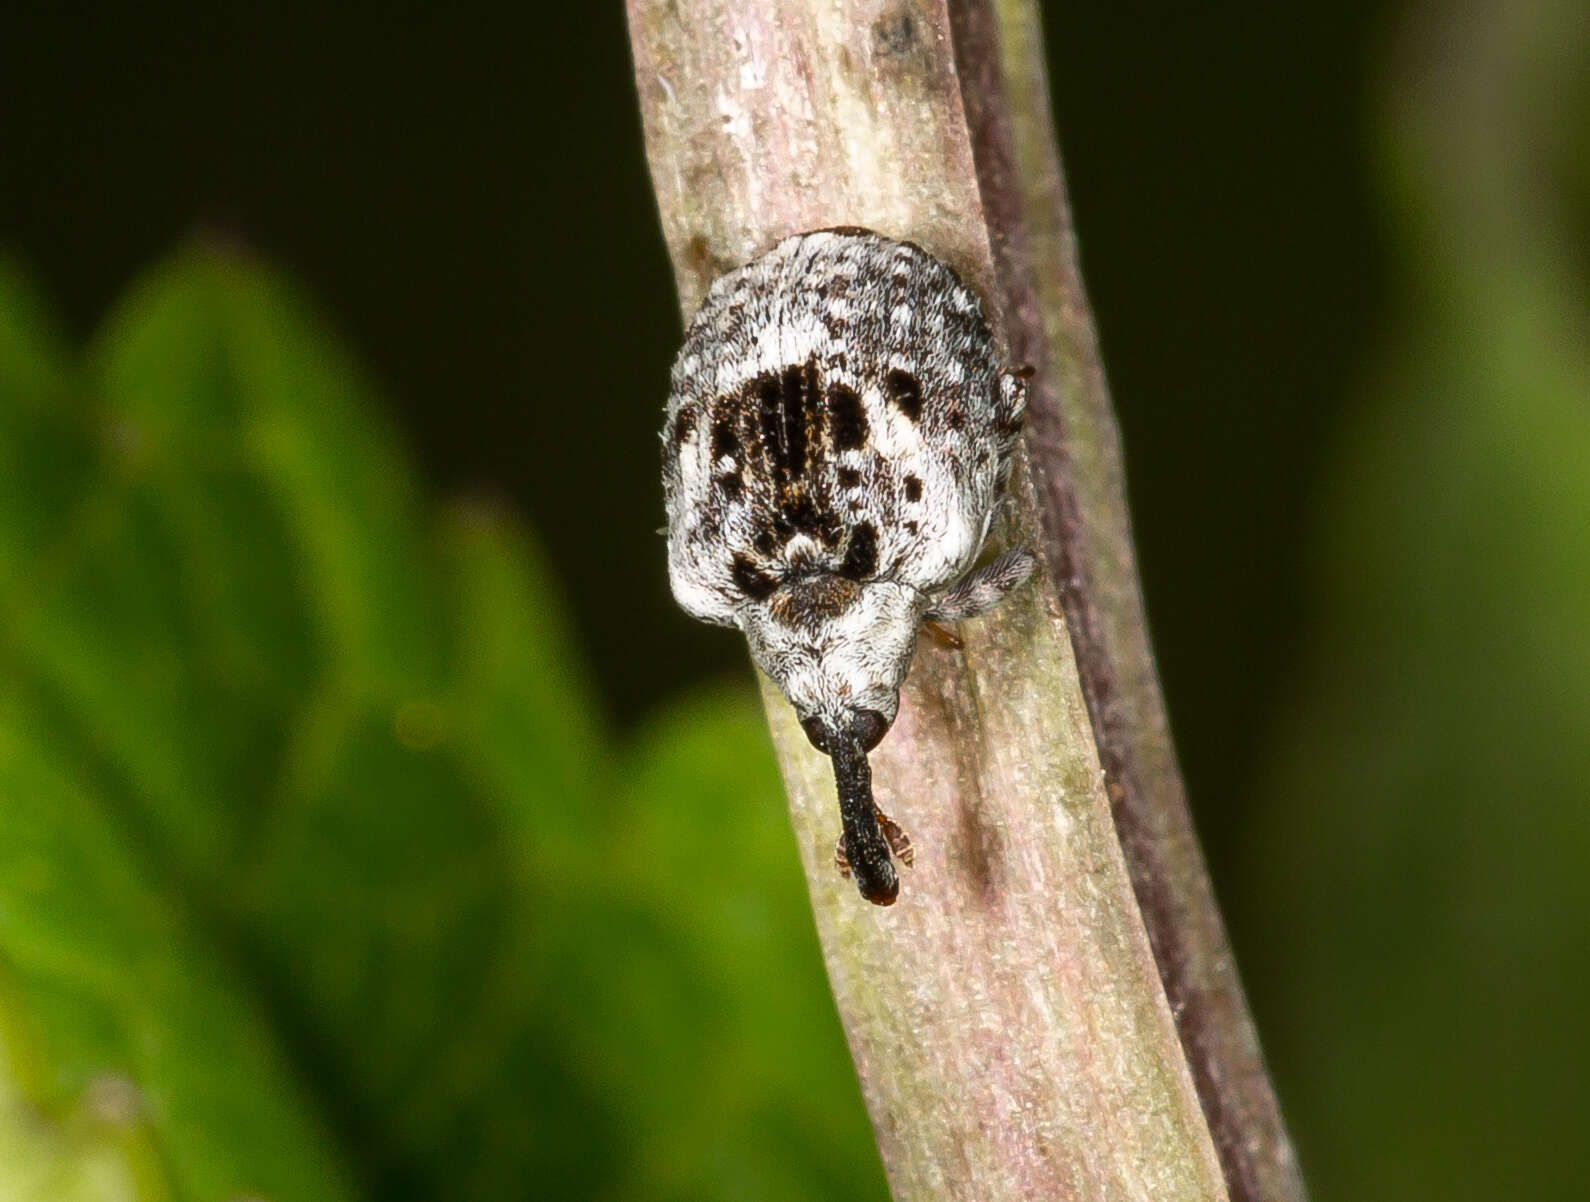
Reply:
x=1011 y=1017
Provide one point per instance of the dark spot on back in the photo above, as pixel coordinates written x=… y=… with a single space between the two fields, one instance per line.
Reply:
x=809 y=600
x=801 y=515
x=906 y=391
x=752 y=581
x=861 y=557
x=910 y=527
x=789 y=416
x=770 y=419
x=913 y=488
x=731 y=485
x=849 y=477
x=684 y=423
x=799 y=382
x=724 y=441
x=846 y=418
x=764 y=542
x=955 y=417
x=806 y=518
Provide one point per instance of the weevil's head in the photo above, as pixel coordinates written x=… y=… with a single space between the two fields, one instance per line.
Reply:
x=839 y=650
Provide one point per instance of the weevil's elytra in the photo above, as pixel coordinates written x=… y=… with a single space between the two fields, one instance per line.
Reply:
x=838 y=438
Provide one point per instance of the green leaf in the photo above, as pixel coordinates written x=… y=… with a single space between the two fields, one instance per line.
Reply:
x=106 y=988
x=321 y=850
x=123 y=993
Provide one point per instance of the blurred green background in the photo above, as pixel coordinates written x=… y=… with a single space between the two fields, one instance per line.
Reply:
x=373 y=826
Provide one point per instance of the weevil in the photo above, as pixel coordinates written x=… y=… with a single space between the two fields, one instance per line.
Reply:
x=838 y=438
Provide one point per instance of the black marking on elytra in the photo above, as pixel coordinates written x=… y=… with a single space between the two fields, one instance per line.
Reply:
x=770 y=415
x=800 y=393
x=684 y=425
x=849 y=477
x=724 y=440
x=846 y=418
x=787 y=422
x=752 y=581
x=905 y=390
x=764 y=542
x=731 y=485
x=910 y=527
x=955 y=417
x=802 y=514
x=913 y=488
x=861 y=557
x=805 y=517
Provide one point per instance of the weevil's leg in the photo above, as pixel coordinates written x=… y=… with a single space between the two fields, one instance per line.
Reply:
x=943 y=636
x=983 y=588
x=1011 y=406
x=899 y=842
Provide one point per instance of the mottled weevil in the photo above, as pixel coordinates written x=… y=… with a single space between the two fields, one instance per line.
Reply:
x=838 y=438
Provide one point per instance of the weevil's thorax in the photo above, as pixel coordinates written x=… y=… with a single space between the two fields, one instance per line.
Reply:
x=834 y=646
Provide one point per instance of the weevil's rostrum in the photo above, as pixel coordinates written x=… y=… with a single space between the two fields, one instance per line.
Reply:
x=838 y=438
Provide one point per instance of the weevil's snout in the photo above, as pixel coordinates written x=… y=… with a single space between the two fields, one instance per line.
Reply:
x=846 y=743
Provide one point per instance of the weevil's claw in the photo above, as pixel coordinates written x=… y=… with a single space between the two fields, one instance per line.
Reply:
x=899 y=842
